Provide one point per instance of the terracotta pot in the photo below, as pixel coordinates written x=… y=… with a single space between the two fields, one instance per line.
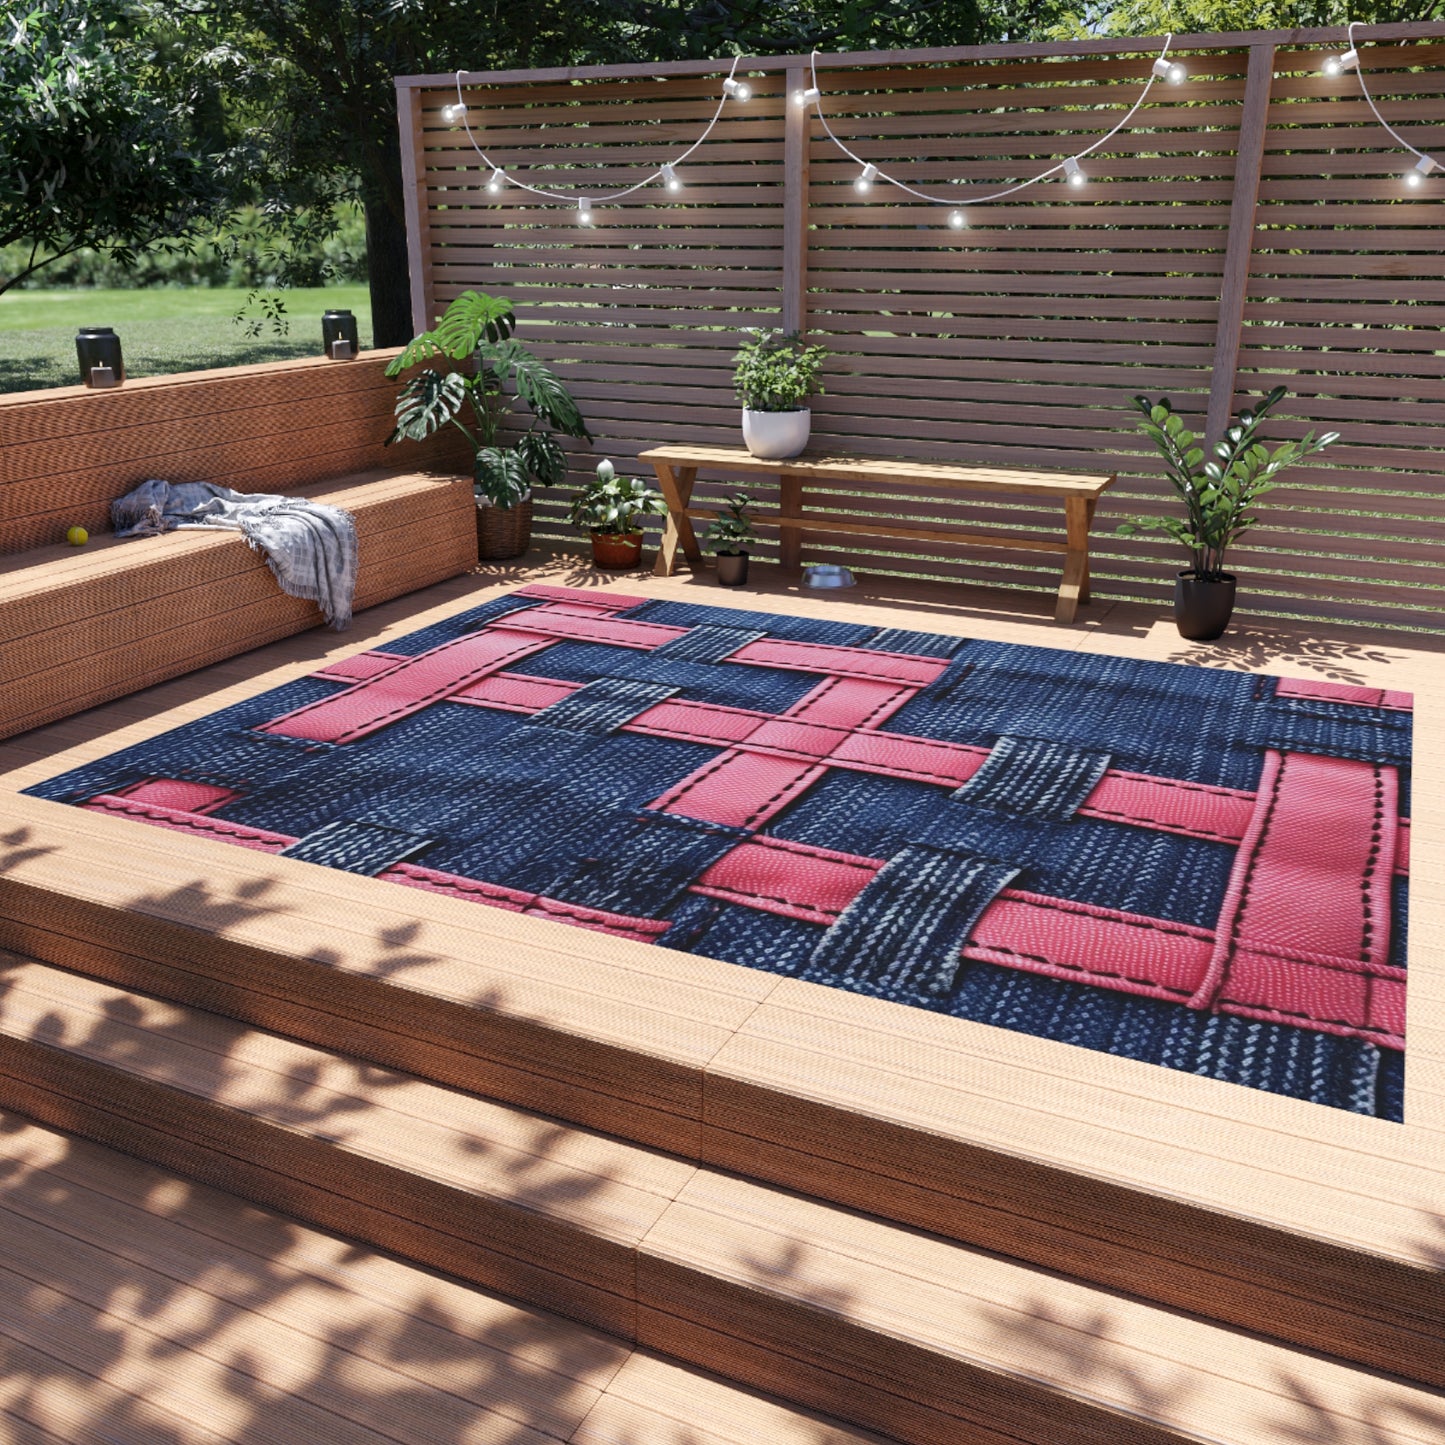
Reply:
x=503 y=531
x=732 y=569
x=616 y=554
x=1202 y=609
x=772 y=435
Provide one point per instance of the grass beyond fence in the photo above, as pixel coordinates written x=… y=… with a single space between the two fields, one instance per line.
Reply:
x=162 y=330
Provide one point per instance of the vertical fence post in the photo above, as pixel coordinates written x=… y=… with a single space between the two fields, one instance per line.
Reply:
x=413 y=188
x=795 y=203
x=1249 y=161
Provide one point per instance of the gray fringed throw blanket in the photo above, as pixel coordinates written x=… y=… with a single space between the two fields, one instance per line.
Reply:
x=310 y=548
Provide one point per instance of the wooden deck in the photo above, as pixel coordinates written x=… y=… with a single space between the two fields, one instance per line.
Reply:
x=929 y=1228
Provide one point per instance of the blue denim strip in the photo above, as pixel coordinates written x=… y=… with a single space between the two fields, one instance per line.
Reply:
x=1362 y=733
x=356 y=847
x=1035 y=778
x=920 y=644
x=707 y=644
x=647 y=865
x=601 y=706
x=900 y=937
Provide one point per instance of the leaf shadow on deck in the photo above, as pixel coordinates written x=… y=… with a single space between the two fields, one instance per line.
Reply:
x=144 y=1307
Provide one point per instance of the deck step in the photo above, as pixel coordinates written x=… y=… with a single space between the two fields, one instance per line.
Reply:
x=137 y=1306
x=888 y=1328
x=895 y=1111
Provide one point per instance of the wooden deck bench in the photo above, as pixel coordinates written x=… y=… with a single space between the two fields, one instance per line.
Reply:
x=80 y=626
x=677 y=468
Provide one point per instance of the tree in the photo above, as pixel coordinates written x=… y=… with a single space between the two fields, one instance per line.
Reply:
x=94 y=149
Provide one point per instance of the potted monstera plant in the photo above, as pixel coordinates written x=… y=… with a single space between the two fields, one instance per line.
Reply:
x=1219 y=496
x=731 y=536
x=611 y=509
x=506 y=463
x=776 y=373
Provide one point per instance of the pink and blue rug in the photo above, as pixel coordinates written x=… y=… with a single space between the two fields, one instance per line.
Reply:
x=1200 y=869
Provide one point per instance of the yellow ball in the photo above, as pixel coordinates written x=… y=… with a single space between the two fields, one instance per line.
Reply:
x=77 y=536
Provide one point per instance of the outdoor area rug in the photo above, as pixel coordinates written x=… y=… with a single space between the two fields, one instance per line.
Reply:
x=1197 y=868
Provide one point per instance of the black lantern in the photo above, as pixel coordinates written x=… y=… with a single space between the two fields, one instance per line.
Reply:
x=338 y=335
x=98 y=350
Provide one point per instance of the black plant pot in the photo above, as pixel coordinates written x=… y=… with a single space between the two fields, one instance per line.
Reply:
x=1202 y=609
x=732 y=569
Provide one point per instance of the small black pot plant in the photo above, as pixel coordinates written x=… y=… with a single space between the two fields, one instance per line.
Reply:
x=730 y=537
x=1219 y=497
x=479 y=328
x=611 y=509
x=775 y=375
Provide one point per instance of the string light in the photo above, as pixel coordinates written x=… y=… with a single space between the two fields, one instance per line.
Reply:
x=732 y=88
x=806 y=97
x=1336 y=65
x=1161 y=69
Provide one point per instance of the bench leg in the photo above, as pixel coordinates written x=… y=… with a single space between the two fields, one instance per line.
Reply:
x=790 y=539
x=676 y=489
x=1074 y=588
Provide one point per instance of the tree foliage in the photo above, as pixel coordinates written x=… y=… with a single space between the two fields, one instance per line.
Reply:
x=97 y=147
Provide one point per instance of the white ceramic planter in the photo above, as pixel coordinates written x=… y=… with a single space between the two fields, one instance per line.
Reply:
x=773 y=435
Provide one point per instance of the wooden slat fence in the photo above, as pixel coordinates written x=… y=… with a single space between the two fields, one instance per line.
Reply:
x=1249 y=226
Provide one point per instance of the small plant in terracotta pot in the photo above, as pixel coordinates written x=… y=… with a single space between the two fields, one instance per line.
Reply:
x=731 y=538
x=611 y=509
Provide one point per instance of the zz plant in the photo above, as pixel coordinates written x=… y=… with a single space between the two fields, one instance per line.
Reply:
x=479 y=327
x=1219 y=494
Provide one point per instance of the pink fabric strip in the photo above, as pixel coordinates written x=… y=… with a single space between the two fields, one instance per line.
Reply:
x=198 y=825
x=744 y=789
x=1344 y=692
x=579 y=596
x=1311 y=888
x=1141 y=800
x=182 y=796
x=405 y=688
x=897 y=667
x=561 y=624
x=1108 y=948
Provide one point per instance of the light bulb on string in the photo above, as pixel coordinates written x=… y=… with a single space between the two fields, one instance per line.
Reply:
x=1170 y=70
x=1072 y=173
x=736 y=88
x=1338 y=64
x=497 y=181
x=865 y=178
x=806 y=97
x=454 y=112
x=1422 y=168
x=584 y=211
x=669 y=177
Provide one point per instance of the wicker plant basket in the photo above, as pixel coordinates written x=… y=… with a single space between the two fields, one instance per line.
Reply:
x=503 y=531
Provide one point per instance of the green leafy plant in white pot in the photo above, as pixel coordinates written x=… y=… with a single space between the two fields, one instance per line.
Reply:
x=611 y=508
x=731 y=537
x=478 y=328
x=1219 y=497
x=776 y=374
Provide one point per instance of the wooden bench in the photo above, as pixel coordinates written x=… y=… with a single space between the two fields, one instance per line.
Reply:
x=80 y=626
x=677 y=468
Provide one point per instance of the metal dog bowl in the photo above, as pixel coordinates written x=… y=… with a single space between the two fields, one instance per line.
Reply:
x=828 y=575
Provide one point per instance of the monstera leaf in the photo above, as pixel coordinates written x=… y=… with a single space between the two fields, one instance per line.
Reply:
x=428 y=401
x=501 y=474
x=543 y=454
x=537 y=384
x=471 y=319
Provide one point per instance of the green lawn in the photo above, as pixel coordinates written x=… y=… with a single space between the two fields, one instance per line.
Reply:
x=161 y=330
